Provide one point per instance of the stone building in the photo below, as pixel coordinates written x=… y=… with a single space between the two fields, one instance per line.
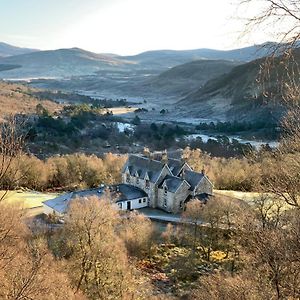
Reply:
x=168 y=183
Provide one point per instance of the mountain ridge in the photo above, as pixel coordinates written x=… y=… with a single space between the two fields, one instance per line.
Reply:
x=7 y=50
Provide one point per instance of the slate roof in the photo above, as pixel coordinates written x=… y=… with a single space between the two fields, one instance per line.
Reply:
x=59 y=203
x=143 y=165
x=175 y=166
x=118 y=193
x=193 y=178
x=62 y=202
x=172 y=183
x=126 y=192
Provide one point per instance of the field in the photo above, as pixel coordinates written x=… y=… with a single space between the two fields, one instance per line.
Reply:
x=248 y=197
x=122 y=110
x=27 y=200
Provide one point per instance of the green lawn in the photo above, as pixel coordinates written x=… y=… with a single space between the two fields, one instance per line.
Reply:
x=27 y=199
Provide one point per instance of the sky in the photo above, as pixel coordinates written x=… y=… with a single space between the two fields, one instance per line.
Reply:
x=125 y=26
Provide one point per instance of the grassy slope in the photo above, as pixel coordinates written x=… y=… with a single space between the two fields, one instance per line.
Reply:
x=16 y=98
x=185 y=78
x=240 y=94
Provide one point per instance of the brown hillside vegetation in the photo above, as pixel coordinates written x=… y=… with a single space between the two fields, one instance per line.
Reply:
x=16 y=98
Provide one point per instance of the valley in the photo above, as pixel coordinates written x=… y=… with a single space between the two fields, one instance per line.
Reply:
x=170 y=89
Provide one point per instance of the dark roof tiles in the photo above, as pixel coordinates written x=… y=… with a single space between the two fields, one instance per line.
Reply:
x=172 y=183
x=193 y=178
x=143 y=165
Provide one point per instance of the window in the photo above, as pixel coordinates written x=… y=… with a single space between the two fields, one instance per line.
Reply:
x=120 y=205
x=165 y=201
x=147 y=184
x=144 y=200
x=128 y=178
x=165 y=190
x=140 y=200
x=137 y=180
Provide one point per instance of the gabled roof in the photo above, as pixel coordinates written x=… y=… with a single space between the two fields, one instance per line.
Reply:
x=175 y=166
x=143 y=165
x=62 y=202
x=193 y=178
x=118 y=193
x=172 y=183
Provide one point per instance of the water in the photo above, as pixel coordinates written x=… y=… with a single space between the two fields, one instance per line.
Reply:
x=255 y=144
x=124 y=126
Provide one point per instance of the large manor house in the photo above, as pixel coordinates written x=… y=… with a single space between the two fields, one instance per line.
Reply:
x=166 y=184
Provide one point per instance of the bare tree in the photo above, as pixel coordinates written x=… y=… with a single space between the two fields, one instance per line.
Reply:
x=27 y=269
x=96 y=257
x=280 y=81
x=12 y=141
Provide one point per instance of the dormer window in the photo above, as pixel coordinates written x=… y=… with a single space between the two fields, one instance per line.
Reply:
x=147 y=183
x=137 y=177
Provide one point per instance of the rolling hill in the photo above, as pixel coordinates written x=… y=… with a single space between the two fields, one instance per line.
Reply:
x=9 y=50
x=59 y=63
x=185 y=78
x=63 y=63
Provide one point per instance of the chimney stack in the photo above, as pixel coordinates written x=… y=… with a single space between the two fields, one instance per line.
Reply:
x=164 y=157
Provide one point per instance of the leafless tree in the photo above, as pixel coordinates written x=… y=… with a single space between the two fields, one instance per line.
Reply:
x=96 y=257
x=280 y=80
x=12 y=141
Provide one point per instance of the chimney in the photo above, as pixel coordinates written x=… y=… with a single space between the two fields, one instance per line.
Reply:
x=146 y=152
x=164 y=157
x=182 y=173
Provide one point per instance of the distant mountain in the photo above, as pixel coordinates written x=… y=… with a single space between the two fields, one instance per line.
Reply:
x=171 y=58
x=9 y=50
x=64 y=63
x=59 y=63
x=238 y=94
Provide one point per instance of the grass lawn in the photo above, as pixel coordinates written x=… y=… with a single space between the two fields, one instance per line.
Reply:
x=249 y=197
x=27 y=200
x=122 y=110
x=245 y=196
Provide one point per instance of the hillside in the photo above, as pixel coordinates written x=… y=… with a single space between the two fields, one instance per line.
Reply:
x=16 y=98
x=185 y=78
x=238 y=93
x=58 y=63
x=9 y=50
